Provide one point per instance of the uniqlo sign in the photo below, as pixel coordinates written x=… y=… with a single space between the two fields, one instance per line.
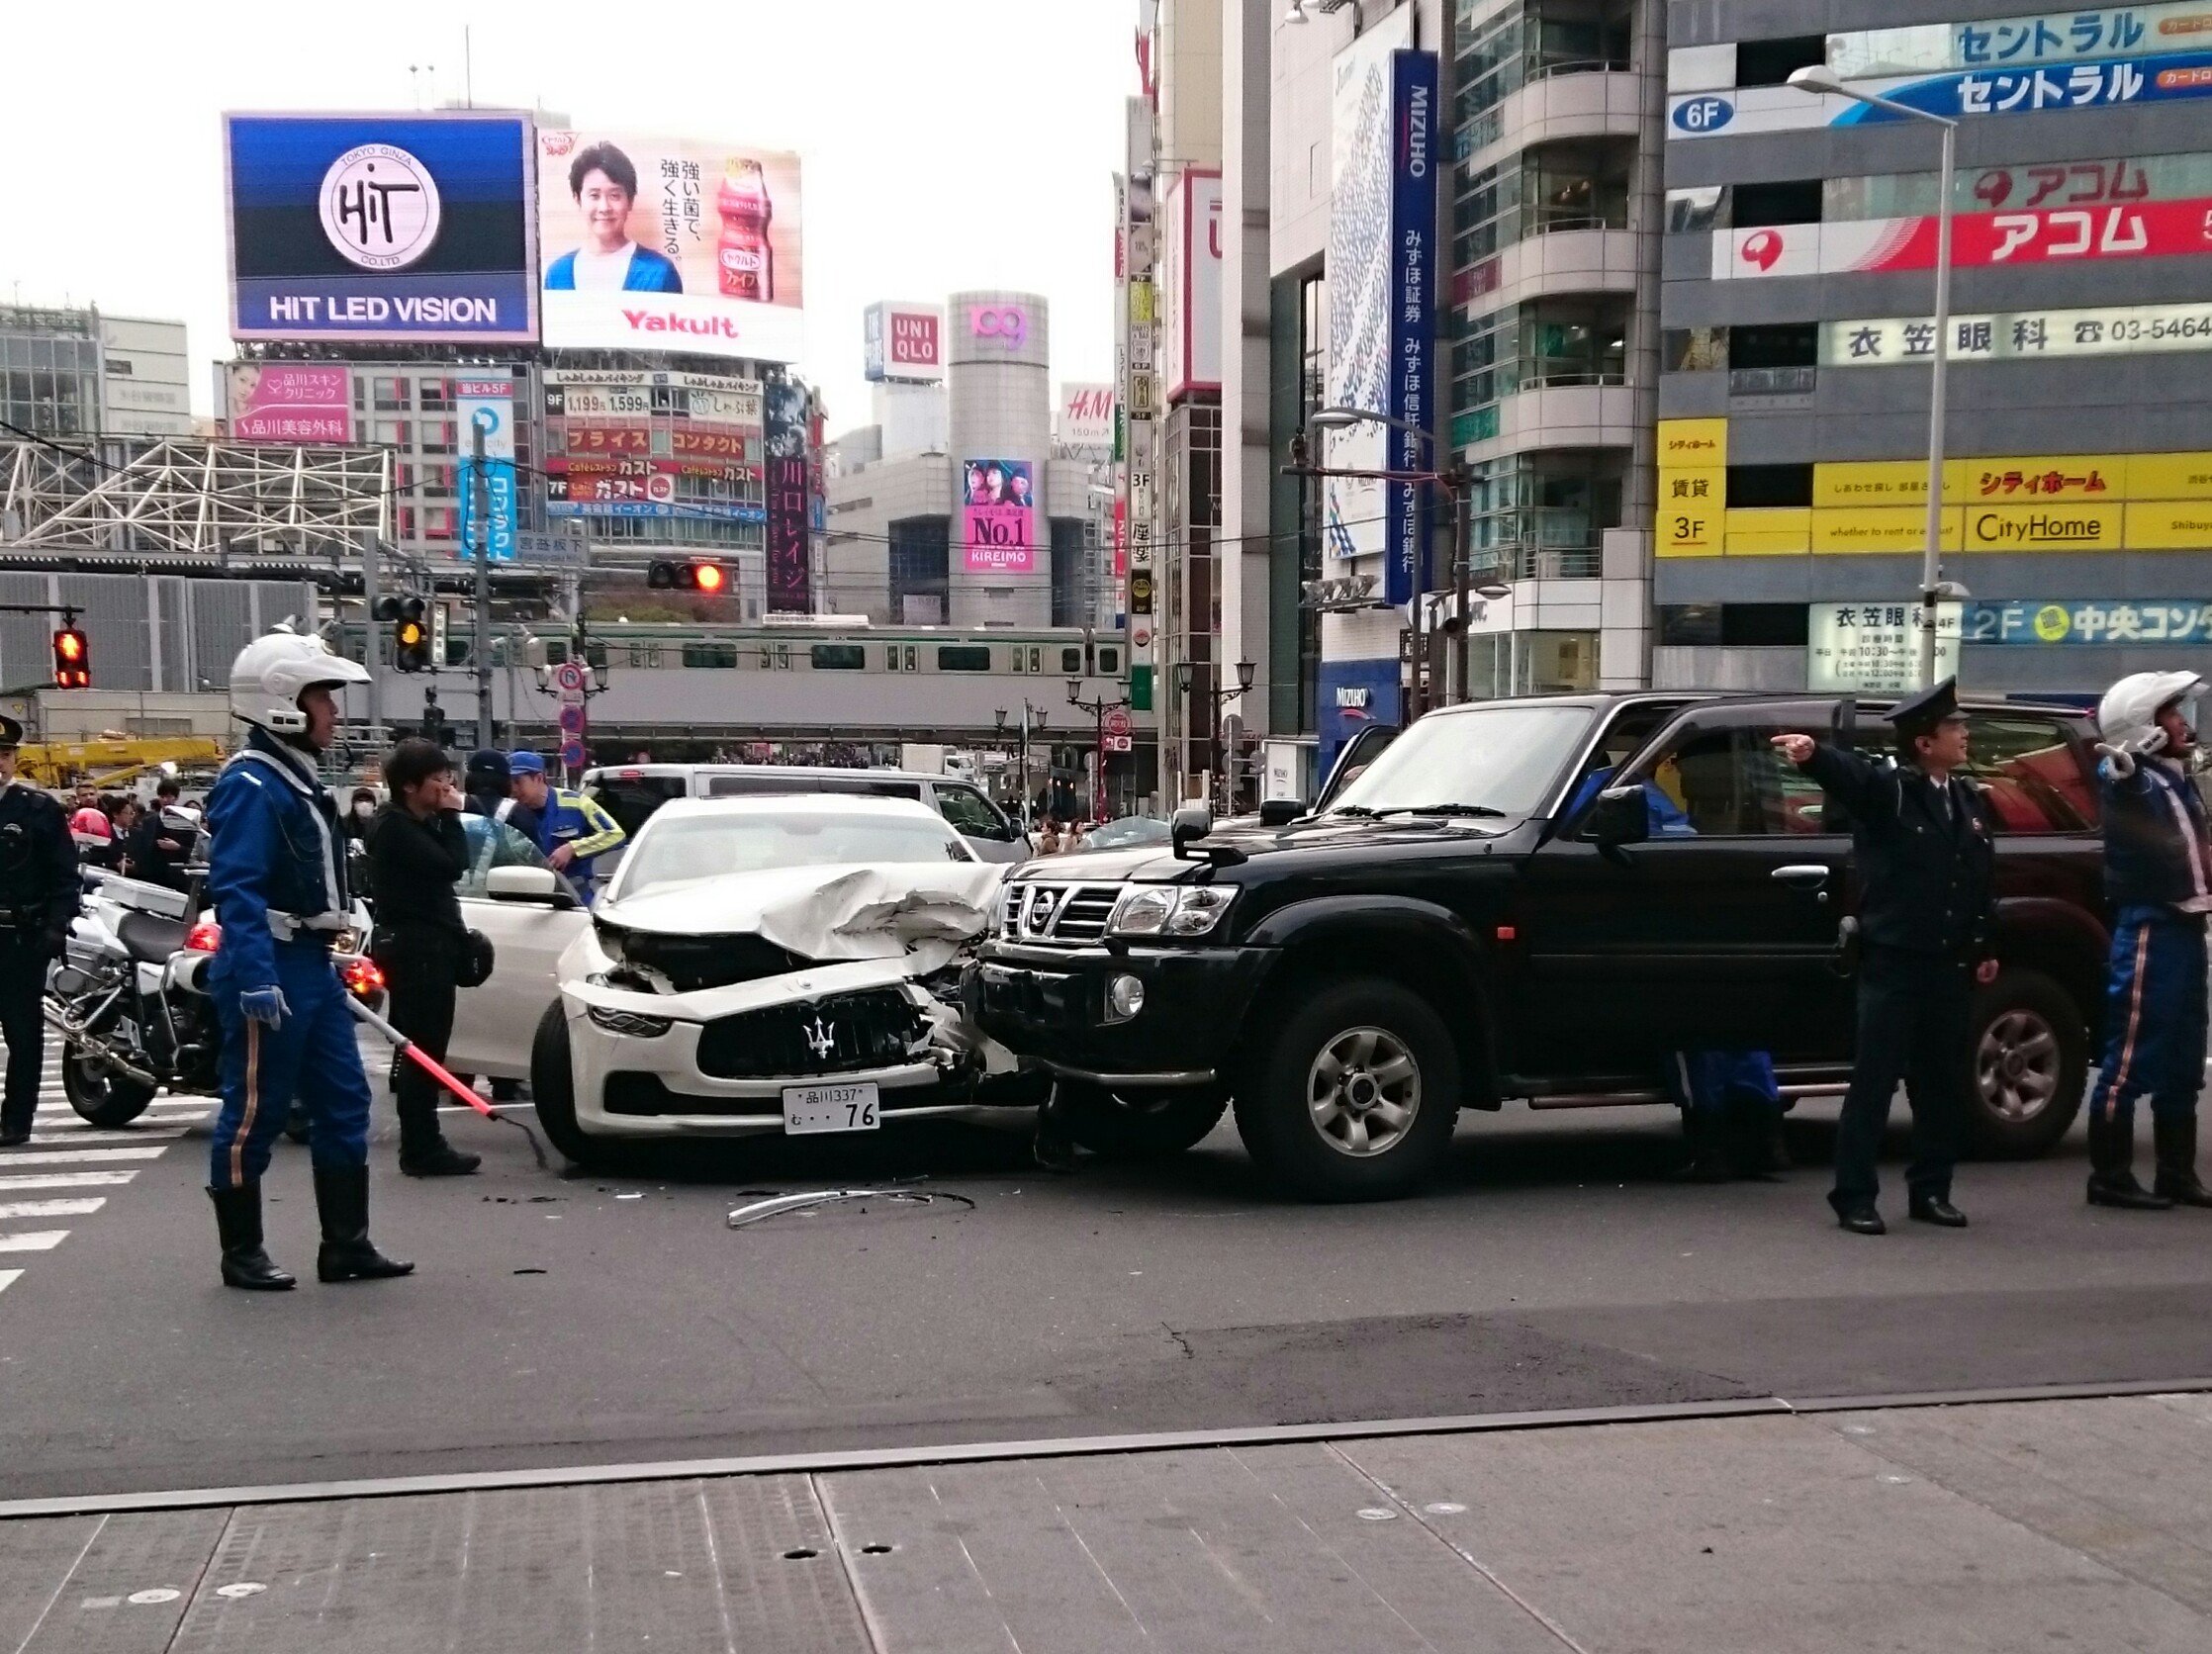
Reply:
x=905 y=342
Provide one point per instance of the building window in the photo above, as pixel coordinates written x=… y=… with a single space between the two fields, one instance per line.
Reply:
x=391 y=396
x=392 y=433
x=439 y=522
x=440 y=436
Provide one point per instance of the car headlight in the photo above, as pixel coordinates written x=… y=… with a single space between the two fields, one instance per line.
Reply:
x=629 y=1022
x=1172 y=910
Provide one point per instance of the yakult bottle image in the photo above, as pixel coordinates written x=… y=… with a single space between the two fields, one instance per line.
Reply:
x=748 y=267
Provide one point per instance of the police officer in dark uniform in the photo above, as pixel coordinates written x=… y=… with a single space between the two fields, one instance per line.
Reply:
x=1927 y=870
x=38 y=893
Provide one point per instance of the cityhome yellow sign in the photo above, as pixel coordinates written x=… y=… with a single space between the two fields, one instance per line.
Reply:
x=2012 y=503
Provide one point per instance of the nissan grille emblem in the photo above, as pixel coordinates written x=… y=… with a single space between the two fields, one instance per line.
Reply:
x=1042 y=900
x=820 y=1038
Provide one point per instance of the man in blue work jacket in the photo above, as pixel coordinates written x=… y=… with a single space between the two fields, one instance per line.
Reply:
x=2158 y=874
x=572 y=829
x=276 y=874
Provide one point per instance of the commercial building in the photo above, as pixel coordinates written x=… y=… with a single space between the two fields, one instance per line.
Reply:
x=67 y=372
x=1452 y=216
x=2076 y=504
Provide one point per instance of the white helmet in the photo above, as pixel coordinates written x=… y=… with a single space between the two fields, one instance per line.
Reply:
x=271 y=674
x=2128 y=715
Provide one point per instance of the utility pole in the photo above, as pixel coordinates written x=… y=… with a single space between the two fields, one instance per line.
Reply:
x=371 y=636
x=480 y=508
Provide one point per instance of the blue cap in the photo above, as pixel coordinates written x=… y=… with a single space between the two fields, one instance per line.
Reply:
x=524 y=764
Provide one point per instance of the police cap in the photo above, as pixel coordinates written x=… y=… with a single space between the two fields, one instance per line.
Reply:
x=11 y=732
x=1919 y=714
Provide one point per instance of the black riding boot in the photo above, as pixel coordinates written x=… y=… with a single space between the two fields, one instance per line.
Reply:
x=341 y=1196
x=2111 y=1174
x=2177 y=1178
x=237 y=1219
x=424 y=1151
x=1706 y=1130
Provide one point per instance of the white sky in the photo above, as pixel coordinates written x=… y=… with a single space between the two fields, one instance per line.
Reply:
x=944 y=143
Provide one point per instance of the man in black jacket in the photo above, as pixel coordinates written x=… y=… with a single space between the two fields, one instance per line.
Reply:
x=39 y=891
x=1927 y=873
x=418 y=852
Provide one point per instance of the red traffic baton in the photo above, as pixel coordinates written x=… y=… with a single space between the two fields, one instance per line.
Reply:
x=437 y=1071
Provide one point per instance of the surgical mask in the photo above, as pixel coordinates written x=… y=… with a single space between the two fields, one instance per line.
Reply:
x=364 y=809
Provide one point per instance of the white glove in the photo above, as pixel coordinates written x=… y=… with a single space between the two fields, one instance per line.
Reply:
x=2119 y=763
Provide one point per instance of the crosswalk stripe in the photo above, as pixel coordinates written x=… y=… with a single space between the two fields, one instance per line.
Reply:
x=9 y=1277
x=65 y=1179
x=52 y=1208
x=86 y=1135
x=33 y=1240
x=62 y=1157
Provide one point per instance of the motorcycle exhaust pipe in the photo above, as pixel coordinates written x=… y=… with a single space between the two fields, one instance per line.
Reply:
x=106 y=1054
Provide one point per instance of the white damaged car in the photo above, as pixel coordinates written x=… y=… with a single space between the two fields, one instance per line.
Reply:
x=772 y=966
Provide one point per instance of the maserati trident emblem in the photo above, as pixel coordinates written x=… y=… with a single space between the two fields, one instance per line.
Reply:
x=821 y=1037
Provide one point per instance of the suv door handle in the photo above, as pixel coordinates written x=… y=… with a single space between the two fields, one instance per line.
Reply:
x=1805 y=875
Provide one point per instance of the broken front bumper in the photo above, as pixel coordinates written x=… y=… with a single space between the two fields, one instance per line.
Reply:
x=716 y=1062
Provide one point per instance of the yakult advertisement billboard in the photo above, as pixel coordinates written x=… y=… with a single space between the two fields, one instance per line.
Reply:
x=649 y=244
x=400 y=229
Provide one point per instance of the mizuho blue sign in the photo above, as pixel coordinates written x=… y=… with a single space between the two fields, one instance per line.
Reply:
x=1413 y=320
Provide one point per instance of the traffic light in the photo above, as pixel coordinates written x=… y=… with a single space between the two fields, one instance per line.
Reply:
x=410 y=620
x=707 y=579
x=72 y=659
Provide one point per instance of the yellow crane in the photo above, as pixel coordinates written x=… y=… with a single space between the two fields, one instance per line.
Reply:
x=113 y=761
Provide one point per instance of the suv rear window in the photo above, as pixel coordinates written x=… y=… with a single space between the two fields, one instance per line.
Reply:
x=2034 y=781
x=632 y=799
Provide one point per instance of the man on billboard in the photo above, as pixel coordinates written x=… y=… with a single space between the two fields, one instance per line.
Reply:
x=604 y=185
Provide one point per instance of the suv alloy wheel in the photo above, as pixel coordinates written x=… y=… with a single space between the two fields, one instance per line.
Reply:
x=1353 y=1093
x=2030 y=1065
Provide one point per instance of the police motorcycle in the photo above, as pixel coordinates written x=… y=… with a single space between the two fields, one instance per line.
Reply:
x=129 y=998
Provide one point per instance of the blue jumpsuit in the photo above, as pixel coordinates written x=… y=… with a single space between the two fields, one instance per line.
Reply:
x=2157 y=878
x=276 y=873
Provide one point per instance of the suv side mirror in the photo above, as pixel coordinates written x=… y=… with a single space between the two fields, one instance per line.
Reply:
x=1280 y=813
x=1192 y=821
x=1617 y=817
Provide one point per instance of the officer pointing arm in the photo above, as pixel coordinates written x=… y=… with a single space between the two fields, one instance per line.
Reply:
x=1920 y=841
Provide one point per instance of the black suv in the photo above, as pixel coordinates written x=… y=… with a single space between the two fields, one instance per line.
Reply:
x=1540 y=899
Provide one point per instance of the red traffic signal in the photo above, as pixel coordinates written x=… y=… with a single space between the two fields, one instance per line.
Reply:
x=708 y=579
x=72 y=659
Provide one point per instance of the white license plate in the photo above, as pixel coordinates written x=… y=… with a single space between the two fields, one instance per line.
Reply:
x=830 y=1108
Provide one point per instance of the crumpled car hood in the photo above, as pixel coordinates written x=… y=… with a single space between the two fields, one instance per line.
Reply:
x=919 y=916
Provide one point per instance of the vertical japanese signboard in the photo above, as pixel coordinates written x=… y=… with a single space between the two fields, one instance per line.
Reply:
x=790 y=584
x=488 y=405
x=1413 y=327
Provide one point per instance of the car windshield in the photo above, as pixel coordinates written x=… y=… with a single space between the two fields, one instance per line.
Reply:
x=1500 y=760
x=681 y=850
x=1130 y=830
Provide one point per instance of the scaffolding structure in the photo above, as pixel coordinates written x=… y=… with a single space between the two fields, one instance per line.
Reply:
x=176 y=500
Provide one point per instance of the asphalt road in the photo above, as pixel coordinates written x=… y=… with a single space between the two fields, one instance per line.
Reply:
x=561 y=1320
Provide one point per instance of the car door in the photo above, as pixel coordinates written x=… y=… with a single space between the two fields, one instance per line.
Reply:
x=495 y=1022
x=1716 y=931
x=980 y=821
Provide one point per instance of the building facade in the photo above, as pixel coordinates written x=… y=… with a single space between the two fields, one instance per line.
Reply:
x=67 y=372
x=2076 y=504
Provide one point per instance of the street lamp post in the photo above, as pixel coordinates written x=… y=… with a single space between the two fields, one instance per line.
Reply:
x=1450 y=476
x=1818 y=78
x=1186 y=675
x=1098 y=706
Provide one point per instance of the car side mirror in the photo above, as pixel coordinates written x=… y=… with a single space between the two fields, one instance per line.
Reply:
x=1191 y=822
x=528 y=885
x=1280 y=813
x=1619 y=816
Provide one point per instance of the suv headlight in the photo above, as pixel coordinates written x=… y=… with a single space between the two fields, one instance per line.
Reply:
x=1171 y=910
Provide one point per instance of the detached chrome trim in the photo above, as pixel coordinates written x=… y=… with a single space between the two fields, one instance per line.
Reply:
x=1174 y=1076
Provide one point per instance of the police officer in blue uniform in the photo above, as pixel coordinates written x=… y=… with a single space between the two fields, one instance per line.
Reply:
x=1927 y=872
x=276 y=874
x=38 y=891
x=2158 y=874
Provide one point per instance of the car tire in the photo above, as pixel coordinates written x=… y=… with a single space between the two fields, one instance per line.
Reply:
x=2031 y=1064
x=1371 y=1029
x=106 y=1100
x=1138 y=1125
x=553 y=1086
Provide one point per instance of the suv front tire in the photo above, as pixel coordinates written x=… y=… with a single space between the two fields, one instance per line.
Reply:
x=2031 y=1064
x=1352 y=1092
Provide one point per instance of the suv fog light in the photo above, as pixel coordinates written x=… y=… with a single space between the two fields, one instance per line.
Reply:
x=1125 y=997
